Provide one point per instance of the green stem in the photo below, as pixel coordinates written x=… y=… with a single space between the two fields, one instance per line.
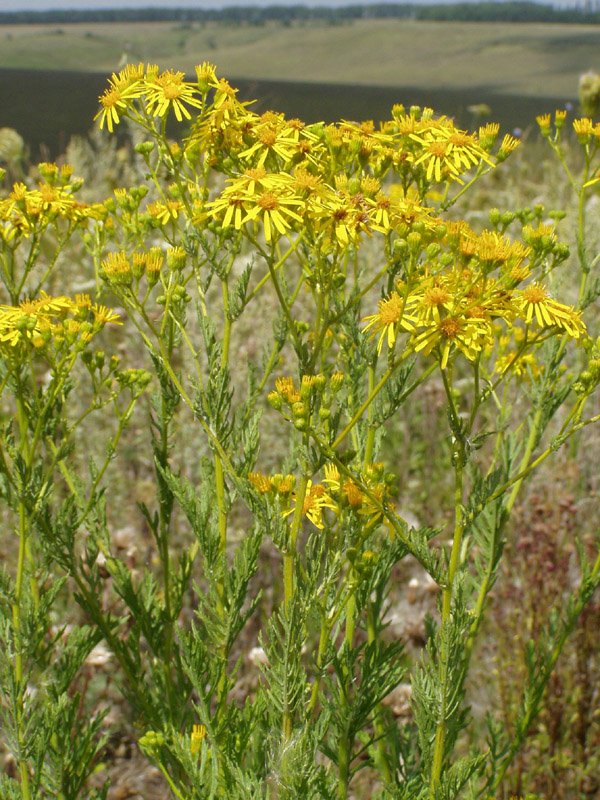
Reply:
x=385 y=377
x=289 y=557
x=343 y=766
x=458 y=457
x=370 y=427
x=380 y=755
x=17 y=613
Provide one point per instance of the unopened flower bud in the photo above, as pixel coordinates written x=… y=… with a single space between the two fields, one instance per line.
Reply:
x=433 y=250
x=561 y=250
x=337 y=380
x=300 y=410
x=144 y=148
x=495 y=216
x=399 y=248
x=275 y=400
x=414 y=242
x=353 y=186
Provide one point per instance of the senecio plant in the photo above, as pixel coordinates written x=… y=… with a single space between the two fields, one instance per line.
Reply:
x=337 y=237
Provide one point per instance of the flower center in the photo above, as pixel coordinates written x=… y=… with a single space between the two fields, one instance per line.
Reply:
x=268 y=201
x=390 y=310
x=436 y=297
x=534 y=294
x=450 y=327
x=438 y=149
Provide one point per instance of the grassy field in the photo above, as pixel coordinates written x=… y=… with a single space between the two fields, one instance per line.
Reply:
x=526 y=59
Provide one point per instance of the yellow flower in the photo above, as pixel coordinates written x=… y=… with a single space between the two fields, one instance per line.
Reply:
x=272 y=139
x=262 y=483
x=543 y=120
x=520 y=366
x=104 y=315
x=316 y=500
x=390 y=317
x=535 y=301
x=259 y=195
x=123 y=88
x=36 y=321
x=197 y=735
x=170 y=90
x=469 y=334
x=448 y=152
x=276 y=211
x=431 y=299
x=206 y=75
x=165 y=212
x=508 y=146
x=117 y=269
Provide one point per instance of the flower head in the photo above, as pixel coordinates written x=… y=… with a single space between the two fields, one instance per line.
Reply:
x=169 y=90
x=390 y=317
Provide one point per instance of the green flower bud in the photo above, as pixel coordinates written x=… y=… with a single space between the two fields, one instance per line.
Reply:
x=414 y=242
x=144 y=148
x=275 y=400
x=433 y=250
x=399 y=248
x=495 y=216
x=561 y=250
x=594 y=368
x=178 y=293
x=87 y=357
x=300 y=410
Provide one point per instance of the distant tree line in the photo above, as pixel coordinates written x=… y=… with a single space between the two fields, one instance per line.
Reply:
x=468 y=12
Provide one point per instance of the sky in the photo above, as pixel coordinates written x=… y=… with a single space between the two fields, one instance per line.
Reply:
x=43 y=5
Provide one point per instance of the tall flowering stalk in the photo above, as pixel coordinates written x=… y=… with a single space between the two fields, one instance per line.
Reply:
x=335 y=236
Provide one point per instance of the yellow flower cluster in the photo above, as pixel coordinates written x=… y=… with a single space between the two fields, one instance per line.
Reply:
x=284 y=174
x=334 y=493
x=159 y=91
x=26 y=211
x=452 y=303
x=54 y=321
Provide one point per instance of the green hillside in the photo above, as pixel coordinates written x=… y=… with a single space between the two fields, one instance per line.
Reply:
x=525 y=59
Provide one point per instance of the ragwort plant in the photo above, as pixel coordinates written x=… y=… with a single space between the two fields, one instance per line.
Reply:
x=336 y=235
